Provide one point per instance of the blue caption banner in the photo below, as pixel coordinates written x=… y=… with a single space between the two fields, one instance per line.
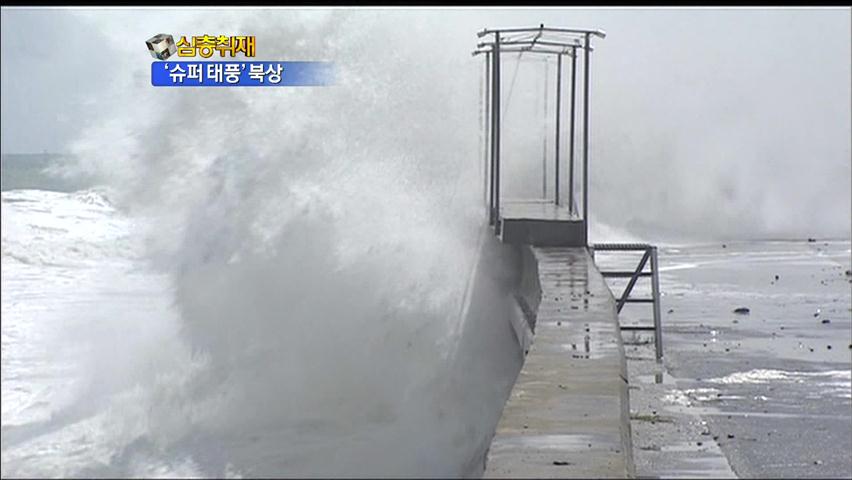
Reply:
x=241 y=74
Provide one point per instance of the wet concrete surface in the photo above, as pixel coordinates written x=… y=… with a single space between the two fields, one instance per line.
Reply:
x=766 y=394
x=567 y=416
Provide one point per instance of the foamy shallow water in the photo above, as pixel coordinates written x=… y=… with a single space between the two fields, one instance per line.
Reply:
x=76 y=300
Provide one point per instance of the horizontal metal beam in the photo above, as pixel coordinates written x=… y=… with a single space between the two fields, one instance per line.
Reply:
x=535 y=43
x=523 y=50
x=639 y=300
x=637 y=327
x=579 y=31
x=621 y=246
x=626 y=274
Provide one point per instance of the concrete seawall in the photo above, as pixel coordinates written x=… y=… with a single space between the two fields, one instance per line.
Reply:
x=568 y=412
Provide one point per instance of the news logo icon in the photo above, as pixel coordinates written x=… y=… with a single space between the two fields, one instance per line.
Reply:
x=161 y=46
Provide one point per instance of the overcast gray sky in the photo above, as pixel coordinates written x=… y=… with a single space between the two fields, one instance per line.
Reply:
x=694 y=111
x=54 y=64
x=56 y=61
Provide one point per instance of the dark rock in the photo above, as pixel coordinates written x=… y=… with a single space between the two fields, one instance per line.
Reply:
x=742 y=310
x=560 y=462
x=730 y=435
x=811 y=240
x=825 y=320
x=777 y=277
x=671 y=310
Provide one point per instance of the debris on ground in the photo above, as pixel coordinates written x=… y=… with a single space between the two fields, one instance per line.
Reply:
x=742 y=310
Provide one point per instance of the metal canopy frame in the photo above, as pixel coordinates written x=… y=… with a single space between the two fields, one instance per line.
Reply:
x=541 y=40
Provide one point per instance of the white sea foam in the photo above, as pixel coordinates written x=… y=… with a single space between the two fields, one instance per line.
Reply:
x=760 y=375
x=63 y=229
x=836 y=383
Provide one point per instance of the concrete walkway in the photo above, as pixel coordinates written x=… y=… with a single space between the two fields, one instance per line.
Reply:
x=568 y=413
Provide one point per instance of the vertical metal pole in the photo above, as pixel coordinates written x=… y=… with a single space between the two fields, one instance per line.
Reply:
x=571 y=205
x=490 y=103
x=496 y=107
x=558 y=112
x=655 y=292
x=483 y=134
x=493 y=142
x=586 y=139
x=544 y=142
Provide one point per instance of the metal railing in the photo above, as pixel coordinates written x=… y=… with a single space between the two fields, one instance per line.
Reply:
x=545 y=41
x=649 y=253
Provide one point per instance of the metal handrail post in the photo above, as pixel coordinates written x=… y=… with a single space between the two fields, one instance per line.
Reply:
x=655 y=292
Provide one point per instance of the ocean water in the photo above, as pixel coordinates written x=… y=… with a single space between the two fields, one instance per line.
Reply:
x=104 y=374
x=74 y=298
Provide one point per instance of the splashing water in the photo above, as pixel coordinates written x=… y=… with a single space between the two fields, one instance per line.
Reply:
x=317 y=245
